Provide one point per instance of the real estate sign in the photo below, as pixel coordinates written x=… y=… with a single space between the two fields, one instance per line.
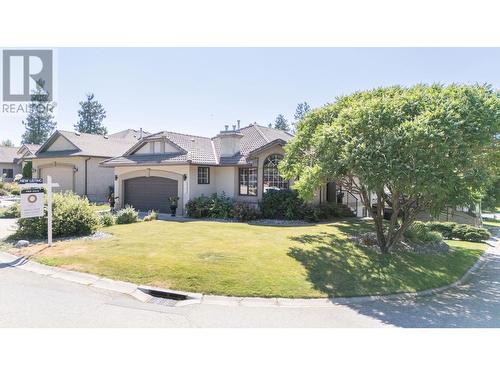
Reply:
x=32 y=202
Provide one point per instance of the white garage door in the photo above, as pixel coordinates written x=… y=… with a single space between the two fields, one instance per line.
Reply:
x=62 y=175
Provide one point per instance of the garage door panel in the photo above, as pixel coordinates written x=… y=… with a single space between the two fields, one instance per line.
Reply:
x=63 y=176
x=150 y=193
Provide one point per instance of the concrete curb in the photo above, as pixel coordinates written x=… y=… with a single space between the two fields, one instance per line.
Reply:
x=135 y=291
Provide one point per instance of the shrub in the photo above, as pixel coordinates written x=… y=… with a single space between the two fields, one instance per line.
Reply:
x=282 y=204
x=107 y=219
x=221 y=206
x=446 y=228
x=72 y=216
x=152 y=215
x=127 y=215
x=12 y=211
x=469 y=233
x=419 y=232
x=462 y=232
x=12 y=188
x=244 y=212
x=214 y=206
x=198 y=207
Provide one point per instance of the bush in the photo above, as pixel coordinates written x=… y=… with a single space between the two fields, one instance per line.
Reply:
x=419 y=232
x=12 y=188
x=152 y=215
x=446 y=228
x=282 y=204
x=12 y=212
x=221 y=206
x=127 y=215
x=244 y=212
x=214 y=206
x=462 y=232
x=469 y=233
x=198 y=207
x=107 y=219
x=72 y=216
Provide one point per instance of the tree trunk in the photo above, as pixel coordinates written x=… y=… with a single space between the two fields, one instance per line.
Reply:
x=379 y=225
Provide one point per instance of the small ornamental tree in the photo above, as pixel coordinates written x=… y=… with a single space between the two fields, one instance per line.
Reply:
x=412 y=150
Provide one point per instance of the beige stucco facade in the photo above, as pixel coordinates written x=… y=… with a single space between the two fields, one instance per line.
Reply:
x=82 y=175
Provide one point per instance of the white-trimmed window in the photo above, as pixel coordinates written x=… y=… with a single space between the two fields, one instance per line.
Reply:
x=271 y=175
x=248 y=181
x=203 y=175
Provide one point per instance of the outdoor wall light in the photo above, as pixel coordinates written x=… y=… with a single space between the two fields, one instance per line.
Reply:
x=185 y=177
x=116 y=177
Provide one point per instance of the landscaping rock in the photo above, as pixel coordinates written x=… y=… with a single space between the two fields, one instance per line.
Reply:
x=369 y=241
x=22 y=243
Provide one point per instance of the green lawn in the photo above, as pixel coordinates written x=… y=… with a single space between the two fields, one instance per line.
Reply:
x=250 y=260
x=491 y=222
x=100 y=206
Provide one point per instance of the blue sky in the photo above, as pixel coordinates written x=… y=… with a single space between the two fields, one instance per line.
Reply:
x=199 y=90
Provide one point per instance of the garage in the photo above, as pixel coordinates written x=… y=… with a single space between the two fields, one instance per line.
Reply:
x=150 y=193
x=62 y=175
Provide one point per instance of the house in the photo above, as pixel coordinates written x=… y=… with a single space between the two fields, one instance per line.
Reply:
x=9 y=163
x=242 y=163
x=72 y=159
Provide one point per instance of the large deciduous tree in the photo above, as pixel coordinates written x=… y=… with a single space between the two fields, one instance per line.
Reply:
x=90 y=117
x=39 y=123
x=412 y=150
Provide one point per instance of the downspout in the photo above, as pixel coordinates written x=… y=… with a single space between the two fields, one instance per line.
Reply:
x=86 y=160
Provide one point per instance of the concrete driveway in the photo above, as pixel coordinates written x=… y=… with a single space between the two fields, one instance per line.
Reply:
x=7 y=227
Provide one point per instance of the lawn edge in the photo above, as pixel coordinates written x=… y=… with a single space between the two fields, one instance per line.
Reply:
x=134 y=291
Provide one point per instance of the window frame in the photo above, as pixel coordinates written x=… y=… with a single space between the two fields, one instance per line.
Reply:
x=208 y=176
x=256 y=172
x=284 y=182
x=5 y=171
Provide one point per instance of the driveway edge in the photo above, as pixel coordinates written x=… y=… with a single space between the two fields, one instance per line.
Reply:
x=135 y=291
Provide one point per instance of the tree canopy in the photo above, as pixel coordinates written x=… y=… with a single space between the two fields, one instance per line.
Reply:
x=281 y=123
x=39 y=123
x=411 y=149
x=90 y=117
x=7 y=143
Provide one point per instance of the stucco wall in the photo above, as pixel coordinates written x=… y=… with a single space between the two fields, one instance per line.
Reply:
x=201 y=189
x=98 y=179
x=226 y=181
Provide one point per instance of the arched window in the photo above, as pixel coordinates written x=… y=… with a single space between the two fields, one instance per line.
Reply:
x=272 y=178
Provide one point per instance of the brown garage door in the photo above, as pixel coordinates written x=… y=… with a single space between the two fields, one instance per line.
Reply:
x=150 y=193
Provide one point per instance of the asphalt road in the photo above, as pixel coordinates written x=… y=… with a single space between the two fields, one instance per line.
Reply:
x=31 y=300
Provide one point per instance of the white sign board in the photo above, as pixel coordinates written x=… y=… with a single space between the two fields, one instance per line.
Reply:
x=32 y=203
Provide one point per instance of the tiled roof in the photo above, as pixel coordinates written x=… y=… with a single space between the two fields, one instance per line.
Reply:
x=202 y=150
x=8 y=154
x=88 y=145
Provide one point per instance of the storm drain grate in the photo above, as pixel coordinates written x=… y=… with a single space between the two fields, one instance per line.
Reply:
x=163 y=297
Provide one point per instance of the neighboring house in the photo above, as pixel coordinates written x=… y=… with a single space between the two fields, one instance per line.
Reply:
x=25 y=153
x=72 y=160
x=9 y=162
x=241 y=163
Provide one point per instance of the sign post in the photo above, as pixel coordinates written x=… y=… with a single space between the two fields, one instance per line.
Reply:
x=49 y=210
x=32 y=201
